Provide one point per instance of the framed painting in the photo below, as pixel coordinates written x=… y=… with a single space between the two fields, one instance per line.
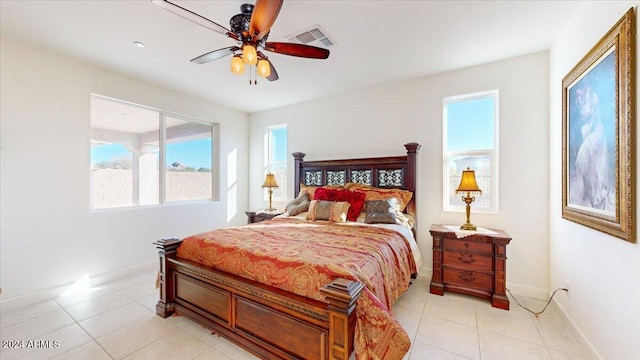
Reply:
x=598 y=97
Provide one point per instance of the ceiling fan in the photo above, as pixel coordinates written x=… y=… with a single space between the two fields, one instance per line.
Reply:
x=250 y=30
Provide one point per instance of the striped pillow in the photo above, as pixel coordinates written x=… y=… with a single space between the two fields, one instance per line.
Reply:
x=333 y=211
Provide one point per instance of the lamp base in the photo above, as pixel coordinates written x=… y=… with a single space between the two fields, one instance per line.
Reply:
x=467 y=226
x=270 y=209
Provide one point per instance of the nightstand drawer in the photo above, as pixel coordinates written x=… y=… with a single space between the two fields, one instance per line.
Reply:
x=468 y=278
x=461 y=245
x=468 y=259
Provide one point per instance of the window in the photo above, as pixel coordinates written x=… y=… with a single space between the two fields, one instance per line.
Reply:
x=275 y=150
x=128 y=144
x=471 y=140
x=188 y=149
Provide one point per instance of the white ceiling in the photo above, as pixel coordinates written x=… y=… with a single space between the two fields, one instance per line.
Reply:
x=377 y=41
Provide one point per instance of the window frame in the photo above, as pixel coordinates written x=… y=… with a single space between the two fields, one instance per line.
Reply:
x=492 y=153
x=162 y=163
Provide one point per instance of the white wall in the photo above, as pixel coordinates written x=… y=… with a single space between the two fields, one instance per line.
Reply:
x=377 y=121
x=49 y=235
x=604 y=272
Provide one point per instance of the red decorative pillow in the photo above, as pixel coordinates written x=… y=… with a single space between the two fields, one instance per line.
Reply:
x=354 y=198
x=357 y=204
x=312 y=189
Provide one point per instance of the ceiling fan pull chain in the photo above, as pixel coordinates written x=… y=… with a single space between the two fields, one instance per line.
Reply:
x=255 y=76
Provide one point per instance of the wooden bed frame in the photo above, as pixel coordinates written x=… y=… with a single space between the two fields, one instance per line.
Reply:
x=266 y=321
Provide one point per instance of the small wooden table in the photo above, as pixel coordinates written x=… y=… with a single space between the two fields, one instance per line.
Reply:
x=473 y=263
x=257 y=216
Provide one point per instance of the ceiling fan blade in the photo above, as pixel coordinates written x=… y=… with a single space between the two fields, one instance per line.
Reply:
x=214 y=55
x=264 y=15
x=191 y=16
x=299 y=50
x=274 y=74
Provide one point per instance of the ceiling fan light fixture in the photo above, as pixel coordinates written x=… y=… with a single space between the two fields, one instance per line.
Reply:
x=264 y=69
x=249 y=54
x=237 y=65
x=250 y=29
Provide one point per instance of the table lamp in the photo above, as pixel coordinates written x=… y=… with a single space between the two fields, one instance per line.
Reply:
x=270 y=182
x=468 y=184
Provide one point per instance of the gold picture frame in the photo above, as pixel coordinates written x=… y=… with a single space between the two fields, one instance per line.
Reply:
x=598 y=96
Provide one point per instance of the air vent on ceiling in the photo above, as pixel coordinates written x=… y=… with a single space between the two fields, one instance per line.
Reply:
x=314 y=36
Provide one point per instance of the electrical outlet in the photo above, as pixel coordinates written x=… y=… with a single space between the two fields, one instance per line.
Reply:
x=567 y=285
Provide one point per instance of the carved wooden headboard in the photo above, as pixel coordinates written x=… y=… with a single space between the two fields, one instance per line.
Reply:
x=383 y=172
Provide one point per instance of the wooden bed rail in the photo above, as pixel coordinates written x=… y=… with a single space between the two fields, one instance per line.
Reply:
x=185 y=288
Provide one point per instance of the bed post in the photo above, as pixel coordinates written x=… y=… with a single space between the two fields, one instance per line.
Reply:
x=167 y=249
x=410 y=180
x=341 y=295
x=297 y=176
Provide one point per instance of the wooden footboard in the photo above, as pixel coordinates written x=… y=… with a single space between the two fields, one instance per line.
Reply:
x=269 y=322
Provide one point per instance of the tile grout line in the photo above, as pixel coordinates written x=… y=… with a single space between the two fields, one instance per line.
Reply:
x=86 y=332
x=546 y=346
x=415 y=335
x=437 y=317
x=115 y=290
x=31 y=318
x=60 y=306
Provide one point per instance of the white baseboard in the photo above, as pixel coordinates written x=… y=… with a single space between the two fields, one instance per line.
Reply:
x=55 y=291
x=578 y=331
x=423 y=271
x=528 y=291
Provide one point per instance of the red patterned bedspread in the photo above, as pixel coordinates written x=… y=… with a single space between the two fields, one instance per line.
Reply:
x=301 y=257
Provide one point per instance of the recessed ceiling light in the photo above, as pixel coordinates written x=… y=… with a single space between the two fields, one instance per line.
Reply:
x=138 y=44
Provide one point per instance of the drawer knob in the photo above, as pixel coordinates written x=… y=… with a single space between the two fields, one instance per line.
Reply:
x=466 y=245
x=466 y=276
x=466 y=257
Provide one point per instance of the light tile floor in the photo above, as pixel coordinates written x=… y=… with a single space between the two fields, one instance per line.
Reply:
x=118 y=321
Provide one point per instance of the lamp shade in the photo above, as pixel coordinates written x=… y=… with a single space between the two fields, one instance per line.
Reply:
x=264 y=69
x=237 y=65
x=249 y=54
x=270 y=181
x=468 y=182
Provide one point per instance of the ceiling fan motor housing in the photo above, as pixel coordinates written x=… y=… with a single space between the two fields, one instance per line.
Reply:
x=246 y=8
x=239 y=23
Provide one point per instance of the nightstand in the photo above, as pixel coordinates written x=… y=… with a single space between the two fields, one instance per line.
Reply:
x=261 y=215
x=473 y=263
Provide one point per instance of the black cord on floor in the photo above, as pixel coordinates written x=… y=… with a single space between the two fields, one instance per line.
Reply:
x=537 y=314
